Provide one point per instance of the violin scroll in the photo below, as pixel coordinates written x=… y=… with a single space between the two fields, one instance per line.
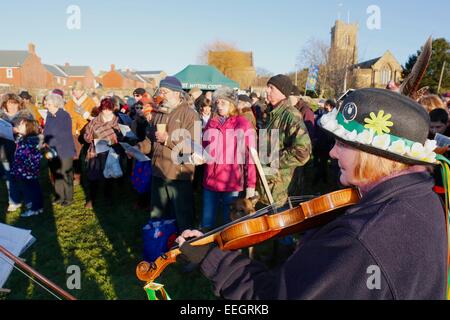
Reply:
x=148 y=272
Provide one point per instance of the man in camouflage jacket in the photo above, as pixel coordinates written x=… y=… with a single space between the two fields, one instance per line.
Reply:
x=294 y=141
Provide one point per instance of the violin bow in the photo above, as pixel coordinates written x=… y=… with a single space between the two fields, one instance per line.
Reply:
x=255 y=158
x=28 y=272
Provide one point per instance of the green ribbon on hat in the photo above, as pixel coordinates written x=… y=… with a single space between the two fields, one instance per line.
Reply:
x=359 y=128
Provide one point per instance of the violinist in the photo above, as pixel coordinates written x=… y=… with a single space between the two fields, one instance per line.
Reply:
x=391 y=245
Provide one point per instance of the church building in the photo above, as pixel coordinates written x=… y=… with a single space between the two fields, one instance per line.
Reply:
x=375 y=73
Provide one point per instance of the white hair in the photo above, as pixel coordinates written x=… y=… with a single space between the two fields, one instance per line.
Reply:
x=55 y=99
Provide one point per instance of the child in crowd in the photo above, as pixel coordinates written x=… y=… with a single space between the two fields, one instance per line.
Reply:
x=438 y=125
x=439 y=122
x=26 y=165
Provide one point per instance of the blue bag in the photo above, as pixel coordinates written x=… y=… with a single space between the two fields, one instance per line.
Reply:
x=159 y=236
x=141 y=177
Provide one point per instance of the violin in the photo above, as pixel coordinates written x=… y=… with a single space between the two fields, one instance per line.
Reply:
x=259 y=227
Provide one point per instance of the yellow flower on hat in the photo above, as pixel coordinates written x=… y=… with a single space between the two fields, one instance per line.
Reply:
x=379 y=123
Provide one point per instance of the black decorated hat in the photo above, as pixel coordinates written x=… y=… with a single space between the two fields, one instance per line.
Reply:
x=383 y=123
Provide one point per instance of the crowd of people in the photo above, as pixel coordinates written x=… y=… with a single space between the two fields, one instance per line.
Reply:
x=164 y=126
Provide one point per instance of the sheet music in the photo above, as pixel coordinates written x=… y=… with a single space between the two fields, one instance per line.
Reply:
x=138 y=155
x=126 y=132
x=198 y=151
x=101 y=145
x=16 y=241
x=43 y=113
x=442 y=141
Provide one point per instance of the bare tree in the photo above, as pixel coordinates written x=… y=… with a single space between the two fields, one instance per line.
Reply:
x=332 y=65
x=262 y=76
x=232 y=62
x=317 y=52
x=217 y=45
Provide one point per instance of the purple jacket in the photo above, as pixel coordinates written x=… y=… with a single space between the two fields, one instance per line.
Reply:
x=231 y=168
x=27 y=159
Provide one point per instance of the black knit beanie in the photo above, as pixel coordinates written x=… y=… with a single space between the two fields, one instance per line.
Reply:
x=282 y=83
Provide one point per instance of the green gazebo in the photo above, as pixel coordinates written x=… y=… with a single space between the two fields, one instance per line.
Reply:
x=204 y=77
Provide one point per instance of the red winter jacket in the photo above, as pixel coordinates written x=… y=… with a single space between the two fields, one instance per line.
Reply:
x=231 y=168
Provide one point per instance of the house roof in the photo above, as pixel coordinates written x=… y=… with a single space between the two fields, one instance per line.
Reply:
x=55 y=70
x=367 y=64
x=132 y=75
x=12 y=58
x=149 y=73
x=74 y=71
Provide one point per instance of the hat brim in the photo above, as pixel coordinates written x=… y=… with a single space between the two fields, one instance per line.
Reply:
x=378 y=152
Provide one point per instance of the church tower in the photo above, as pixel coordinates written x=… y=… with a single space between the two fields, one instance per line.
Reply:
x=344 y=42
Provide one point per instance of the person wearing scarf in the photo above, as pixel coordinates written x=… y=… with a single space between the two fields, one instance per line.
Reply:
x=80 y=107
x=103 y=127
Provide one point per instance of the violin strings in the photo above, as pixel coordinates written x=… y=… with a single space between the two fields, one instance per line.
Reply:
x=26 y=275
x=271 y=209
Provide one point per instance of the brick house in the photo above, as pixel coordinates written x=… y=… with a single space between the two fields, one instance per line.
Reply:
x=119 y=79
x=56 y=77
x=22 y=69
x=153 y=77
x=79 y=73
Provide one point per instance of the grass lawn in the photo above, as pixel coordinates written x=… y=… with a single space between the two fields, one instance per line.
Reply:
x=106 y=243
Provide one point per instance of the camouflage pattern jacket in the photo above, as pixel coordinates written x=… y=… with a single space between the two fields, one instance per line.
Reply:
x=294 y=150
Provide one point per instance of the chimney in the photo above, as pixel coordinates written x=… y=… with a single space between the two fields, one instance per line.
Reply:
x=113 y=67
x=66 y=64
x=32 y=48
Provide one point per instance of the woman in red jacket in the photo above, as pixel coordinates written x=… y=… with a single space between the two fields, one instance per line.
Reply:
x=227 y=139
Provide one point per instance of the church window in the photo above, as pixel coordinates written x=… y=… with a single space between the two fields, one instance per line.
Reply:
x=386 y=75
x=347 y=40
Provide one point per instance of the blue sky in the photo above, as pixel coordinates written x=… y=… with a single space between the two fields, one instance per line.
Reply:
x=168 y=35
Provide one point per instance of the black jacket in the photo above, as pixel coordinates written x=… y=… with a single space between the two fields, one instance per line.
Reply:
x=397 y=231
